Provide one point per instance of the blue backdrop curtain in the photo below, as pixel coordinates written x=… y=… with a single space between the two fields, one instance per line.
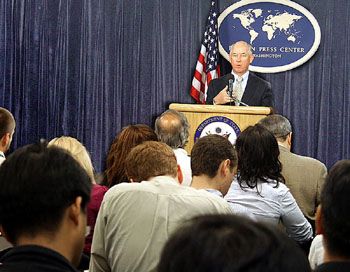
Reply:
x=86 y=68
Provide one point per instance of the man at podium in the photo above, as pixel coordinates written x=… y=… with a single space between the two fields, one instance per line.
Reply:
x=240 y=87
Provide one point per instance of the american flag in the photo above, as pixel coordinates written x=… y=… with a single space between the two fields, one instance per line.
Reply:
x=207 y=67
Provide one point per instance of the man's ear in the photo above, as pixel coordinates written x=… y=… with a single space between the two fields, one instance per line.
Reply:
x=251 y=58
x=224 y=167
x=5 y=139
x=319 y=221
x=289 y=139
x=75 y=210
x=180 y=176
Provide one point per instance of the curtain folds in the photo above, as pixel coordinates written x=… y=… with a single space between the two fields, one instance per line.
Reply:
x=86 y=68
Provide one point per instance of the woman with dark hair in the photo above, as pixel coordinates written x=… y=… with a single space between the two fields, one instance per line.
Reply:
x=259 y=191
x=126 y=139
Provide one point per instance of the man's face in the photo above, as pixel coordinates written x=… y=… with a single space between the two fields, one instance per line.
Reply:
x=240 y=58
x=231 y=172
x=80 y=239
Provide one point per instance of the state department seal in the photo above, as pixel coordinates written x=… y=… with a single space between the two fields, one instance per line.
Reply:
x=283 y=34
x=218 y=125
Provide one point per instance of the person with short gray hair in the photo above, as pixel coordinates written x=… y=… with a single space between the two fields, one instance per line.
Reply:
x=172 y=128
x=247 y=88
x=304 y=176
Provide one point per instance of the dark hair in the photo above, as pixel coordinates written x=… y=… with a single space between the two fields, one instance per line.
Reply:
x=126 y=139
x=258 y=154
x=172 y=128
x=278 y=125
x=7 y=122
x=216 y=243
x=150 y=159
x=37 y=184
x=208 y=152
x=335 y=207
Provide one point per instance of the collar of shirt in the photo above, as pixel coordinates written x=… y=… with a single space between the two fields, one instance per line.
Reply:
x=163 y=179
x=244 y=77
x=215 y=192
x=2 y=154
x=180 y=150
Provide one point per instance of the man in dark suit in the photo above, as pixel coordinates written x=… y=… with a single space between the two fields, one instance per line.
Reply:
x=248 y=88
x=333 y=219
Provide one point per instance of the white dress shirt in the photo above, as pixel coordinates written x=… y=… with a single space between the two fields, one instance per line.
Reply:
x=2 y=157
x=136 y=219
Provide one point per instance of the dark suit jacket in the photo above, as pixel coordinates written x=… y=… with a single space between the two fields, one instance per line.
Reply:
x=257 y=92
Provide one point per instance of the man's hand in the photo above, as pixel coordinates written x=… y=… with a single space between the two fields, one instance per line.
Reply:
x=222 y=97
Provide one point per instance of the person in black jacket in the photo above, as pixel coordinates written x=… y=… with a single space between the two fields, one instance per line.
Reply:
x=333 y=219
x=44 y=193
x=248 y=89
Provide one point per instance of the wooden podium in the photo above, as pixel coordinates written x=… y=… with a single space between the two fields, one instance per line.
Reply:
x=196 y=114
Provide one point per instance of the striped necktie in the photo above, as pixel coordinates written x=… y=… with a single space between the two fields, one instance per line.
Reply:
x=238 y=90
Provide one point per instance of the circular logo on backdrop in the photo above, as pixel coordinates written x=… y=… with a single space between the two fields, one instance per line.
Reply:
x=283 y=34
x=218 y=125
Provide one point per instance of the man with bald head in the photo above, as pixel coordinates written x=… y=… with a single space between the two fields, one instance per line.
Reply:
x=248 y=89
x=172 y=128
x=7 y=128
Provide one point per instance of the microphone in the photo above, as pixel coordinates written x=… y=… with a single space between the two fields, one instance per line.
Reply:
x=230 y=88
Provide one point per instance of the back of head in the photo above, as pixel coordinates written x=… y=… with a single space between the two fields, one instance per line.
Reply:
x=278 y=125
x=258 y=153
x=7 y=122
x=172 y=128
x=128 y=138
x=150 y=159
x=77 y=150
x=208 y=153
x=335 y=207
x=230 y=243
x=37 y=184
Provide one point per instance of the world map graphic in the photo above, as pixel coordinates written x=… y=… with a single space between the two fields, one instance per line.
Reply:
x=273 y=23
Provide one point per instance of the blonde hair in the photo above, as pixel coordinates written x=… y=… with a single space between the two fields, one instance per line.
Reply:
x=77 y=150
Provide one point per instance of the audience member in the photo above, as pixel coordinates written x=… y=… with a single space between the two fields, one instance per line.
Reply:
x=136 y=219
x=172 y=128
x=304 y=176
x=126 y=139
x=7 y=128
x=214 y=164
x=333 y=219
x=230 y=243
x=79 y=152
x=43 y=197
x=259 y=191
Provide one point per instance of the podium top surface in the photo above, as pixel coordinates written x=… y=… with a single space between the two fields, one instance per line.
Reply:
x=220 y=109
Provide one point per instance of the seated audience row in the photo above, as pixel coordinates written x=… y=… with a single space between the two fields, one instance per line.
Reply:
x=136 y=219
x=138 y=215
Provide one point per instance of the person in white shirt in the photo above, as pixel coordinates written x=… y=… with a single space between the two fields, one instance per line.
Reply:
x=7 y=128
x=259 y=191
x=136 y=219
x=172 y=128
x=214 y=164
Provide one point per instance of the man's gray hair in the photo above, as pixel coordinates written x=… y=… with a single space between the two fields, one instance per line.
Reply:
x=250 y=48
x=175 y=131
x=278 y=125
